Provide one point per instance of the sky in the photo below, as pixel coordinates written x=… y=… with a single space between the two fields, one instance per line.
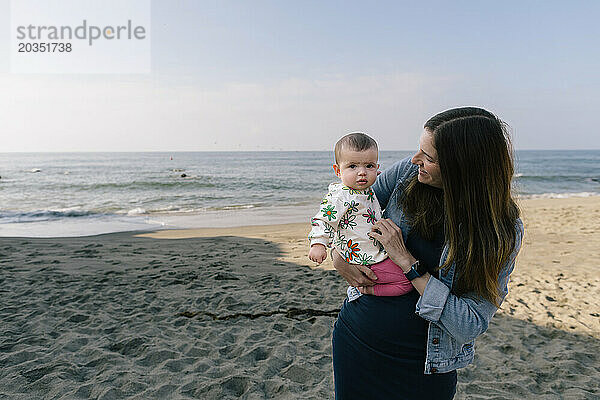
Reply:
x=297 y=75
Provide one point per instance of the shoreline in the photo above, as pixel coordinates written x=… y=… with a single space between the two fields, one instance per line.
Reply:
x=227 y=219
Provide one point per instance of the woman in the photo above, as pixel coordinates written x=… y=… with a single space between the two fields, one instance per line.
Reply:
x=451 y=224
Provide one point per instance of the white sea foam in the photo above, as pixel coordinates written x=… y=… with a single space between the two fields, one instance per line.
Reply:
x=173 y=210
x=236 y=207
x=558 y=195
x=137 y=211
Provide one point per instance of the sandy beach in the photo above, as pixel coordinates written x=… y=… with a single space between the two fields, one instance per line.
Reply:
x=242 y=313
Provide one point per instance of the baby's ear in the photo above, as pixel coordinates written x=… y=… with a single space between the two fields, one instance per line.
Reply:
x=336 y=169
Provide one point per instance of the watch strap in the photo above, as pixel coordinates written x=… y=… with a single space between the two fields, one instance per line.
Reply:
x=414 y=272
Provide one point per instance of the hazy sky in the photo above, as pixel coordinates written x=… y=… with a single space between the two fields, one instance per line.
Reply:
x=296 y=75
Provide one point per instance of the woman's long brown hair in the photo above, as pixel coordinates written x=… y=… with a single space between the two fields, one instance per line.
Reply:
x=475 y=205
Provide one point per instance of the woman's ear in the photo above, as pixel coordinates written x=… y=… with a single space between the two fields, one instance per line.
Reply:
x=336 y=169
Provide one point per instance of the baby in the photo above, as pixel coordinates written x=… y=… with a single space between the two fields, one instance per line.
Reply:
x=348 y=213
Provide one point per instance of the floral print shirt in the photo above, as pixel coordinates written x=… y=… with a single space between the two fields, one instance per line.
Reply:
x=345 y=217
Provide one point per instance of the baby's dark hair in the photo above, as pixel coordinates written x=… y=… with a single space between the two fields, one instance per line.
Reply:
x=356 y=141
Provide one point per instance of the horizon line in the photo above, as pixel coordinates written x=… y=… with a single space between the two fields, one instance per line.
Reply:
x=233 y=151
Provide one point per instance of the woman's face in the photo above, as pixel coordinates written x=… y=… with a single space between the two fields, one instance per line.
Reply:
x=426 y=159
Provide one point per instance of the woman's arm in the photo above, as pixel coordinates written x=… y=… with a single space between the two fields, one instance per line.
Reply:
x=390 y=236
x=463 y=317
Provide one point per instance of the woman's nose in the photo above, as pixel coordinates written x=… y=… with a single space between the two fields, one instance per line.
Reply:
x=414 y=159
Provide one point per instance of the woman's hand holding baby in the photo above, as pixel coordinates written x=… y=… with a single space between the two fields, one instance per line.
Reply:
x=317 y=253
x=390 y=236
x=356 y=275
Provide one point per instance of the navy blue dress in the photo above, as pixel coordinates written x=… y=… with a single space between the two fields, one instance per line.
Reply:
x=379 y=343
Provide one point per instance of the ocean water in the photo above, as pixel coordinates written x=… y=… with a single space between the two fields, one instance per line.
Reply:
x=72 y=194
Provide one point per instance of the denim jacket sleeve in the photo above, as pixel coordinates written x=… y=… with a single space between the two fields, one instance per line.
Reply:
x=465 y=317
x=387 y=181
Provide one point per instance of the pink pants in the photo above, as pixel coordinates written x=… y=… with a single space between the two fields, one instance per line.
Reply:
x=390 y=279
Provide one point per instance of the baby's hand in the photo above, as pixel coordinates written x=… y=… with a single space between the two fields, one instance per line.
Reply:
x=317 y=253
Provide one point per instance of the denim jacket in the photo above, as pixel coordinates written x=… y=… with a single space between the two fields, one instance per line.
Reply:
x=454 y=322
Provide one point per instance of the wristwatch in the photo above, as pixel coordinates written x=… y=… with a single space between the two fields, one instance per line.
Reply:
x=415 y=271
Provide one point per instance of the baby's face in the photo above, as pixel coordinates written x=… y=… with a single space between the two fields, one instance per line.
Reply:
x=357 y=169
